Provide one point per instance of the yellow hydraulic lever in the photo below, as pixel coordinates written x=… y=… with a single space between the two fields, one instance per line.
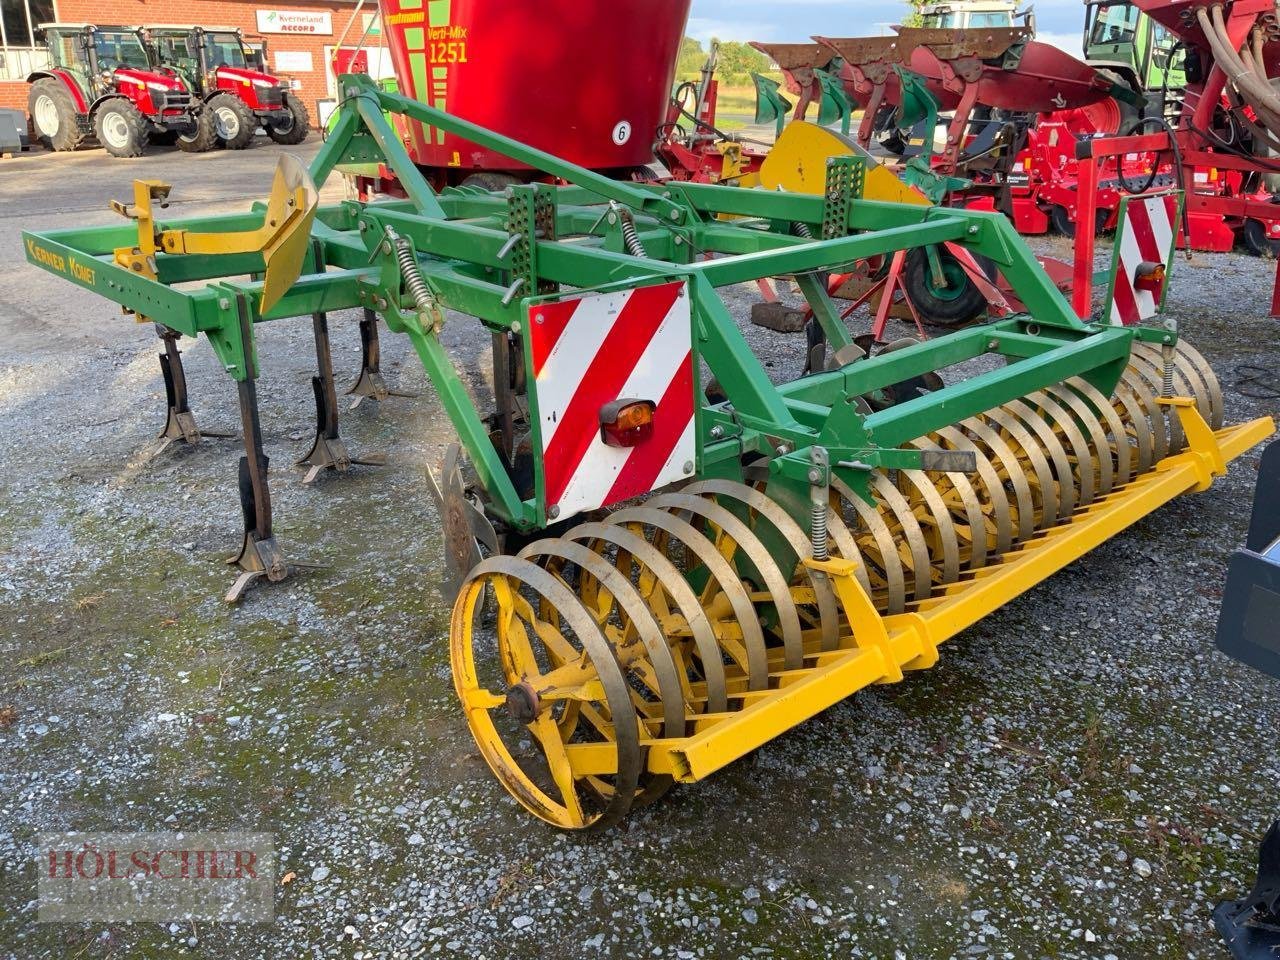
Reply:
x=282 y=238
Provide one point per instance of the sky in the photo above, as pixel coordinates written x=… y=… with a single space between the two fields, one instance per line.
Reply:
x=1057 y=21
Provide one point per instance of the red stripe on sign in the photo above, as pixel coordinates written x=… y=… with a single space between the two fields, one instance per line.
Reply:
x=646 y=461
x=546 y=323
x=640 y=317
x=1125 y=300
x=1140 y=221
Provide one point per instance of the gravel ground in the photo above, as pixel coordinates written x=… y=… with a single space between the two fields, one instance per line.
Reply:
x=1082 y=775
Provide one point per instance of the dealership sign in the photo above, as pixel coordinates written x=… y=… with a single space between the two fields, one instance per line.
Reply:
x=295 y=21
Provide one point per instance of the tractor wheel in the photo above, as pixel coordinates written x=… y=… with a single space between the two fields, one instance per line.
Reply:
x=954 y=305
x=1254 y=237
x=296 y=127
x=233 y=122
x=53 y=114
x=491 y=181
x=202 y=138
x=120 y=128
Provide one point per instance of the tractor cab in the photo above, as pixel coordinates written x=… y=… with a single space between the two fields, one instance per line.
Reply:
x=100 y=81
x=93 y=54
x=973 y=14
x=219 y=68
x=1121 y=38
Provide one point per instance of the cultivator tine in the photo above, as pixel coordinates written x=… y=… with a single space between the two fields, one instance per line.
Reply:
x=328 y=452
x=180 y=423
x=370 y=384
x=260 y=556
x=466 y=528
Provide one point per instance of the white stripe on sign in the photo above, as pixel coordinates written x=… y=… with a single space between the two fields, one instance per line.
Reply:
x=574 y=353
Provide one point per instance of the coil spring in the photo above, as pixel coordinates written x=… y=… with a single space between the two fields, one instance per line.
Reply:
x=413 y=279
x=630 y=237
x=802 y=230
x=818 y=510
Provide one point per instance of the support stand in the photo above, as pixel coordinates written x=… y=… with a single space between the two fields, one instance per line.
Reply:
x=260 y=556
x=179 y=423
x=370 y=385
x=328 y=452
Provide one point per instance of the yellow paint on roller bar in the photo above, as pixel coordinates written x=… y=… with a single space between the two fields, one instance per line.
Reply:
x=881 y=647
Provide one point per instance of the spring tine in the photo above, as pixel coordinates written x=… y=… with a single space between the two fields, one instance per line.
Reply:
x=758 y=556
x=764 y=507
x=757 y=665
x=669 y=580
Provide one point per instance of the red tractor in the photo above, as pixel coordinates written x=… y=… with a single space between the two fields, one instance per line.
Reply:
x=214 y=64
x=99 y=82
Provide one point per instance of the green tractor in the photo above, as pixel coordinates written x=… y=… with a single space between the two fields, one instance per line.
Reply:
x=1120 y=39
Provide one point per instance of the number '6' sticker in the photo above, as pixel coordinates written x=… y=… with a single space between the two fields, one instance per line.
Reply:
x=622 y=132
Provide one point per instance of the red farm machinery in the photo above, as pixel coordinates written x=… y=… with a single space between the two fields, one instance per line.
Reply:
x=234 y=97
x=100 y=83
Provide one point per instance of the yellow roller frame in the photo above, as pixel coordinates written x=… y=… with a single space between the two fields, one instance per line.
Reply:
x=282 y=239
x=878 y=649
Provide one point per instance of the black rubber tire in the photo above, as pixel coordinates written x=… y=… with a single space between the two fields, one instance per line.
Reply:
x=239 y=125
x=298 y=127
x=68 y=135
x=1254 y=237
x=120 y=117
x=490 y=180
x=202 y=139
x=963 y=306
x=1060 y=221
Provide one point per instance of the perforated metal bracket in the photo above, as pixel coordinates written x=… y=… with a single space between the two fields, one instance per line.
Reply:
x=846 y=177
x=531 y=216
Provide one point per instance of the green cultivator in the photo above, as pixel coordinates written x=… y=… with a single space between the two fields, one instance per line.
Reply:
x=726 y=556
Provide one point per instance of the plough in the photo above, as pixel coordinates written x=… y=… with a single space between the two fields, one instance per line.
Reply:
x=665 y=559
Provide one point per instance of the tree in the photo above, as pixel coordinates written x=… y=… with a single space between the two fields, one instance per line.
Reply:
x=914 y=18
x=691 y=57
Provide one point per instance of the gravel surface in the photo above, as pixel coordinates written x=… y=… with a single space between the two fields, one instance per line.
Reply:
x=1082 y=775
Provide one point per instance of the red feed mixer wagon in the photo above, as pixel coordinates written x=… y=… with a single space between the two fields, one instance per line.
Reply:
x=599 y=73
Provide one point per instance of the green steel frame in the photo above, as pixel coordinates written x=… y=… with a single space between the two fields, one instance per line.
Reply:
x=490 y=256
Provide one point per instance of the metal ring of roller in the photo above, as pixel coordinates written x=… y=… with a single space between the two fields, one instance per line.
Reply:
x=886 y=550
x=757 y=665
x=1153 y=376
x=1085 y=473
x=625 y=735
x=677 y=588
x=1100 y=406
x=973 y=516
x=1135 y=417
x=775 y=583
x=1193 y=384
x=1151 y=408
x=1099 y=444
x=628 y=599
x=918 y=550
x=948 y=542
x=997 y=496
x=1046 y=486
x=1050 y=444
x=1196 y=359
x=1002 y=457
x=763 y=506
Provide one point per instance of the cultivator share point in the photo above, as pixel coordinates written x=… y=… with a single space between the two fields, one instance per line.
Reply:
x=681 y=558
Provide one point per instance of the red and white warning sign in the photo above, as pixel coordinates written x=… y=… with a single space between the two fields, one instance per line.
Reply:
x=1143 y=255
x=599 y=357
